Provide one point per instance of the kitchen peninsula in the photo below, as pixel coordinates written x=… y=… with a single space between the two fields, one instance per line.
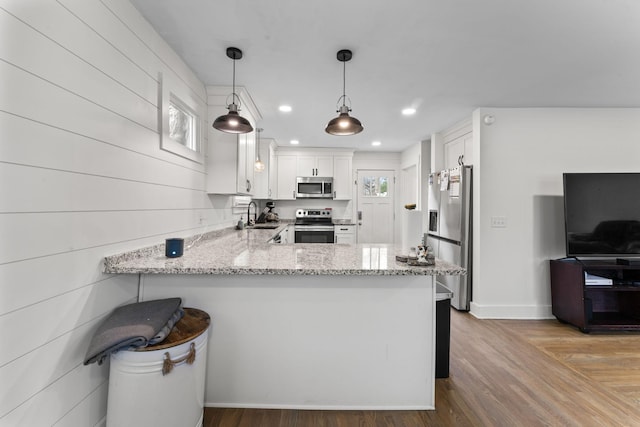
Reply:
x=316 y=326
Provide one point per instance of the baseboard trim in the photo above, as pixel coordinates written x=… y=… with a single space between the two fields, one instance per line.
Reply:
x=529 y=312
x=322 y=407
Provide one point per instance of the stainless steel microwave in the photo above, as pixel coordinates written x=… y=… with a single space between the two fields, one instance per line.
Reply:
x=314 y=187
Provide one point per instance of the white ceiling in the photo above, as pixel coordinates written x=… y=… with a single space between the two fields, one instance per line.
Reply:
x=444 y=57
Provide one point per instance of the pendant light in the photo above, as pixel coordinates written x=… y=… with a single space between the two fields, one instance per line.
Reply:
x=258 y=166
x=232 y=122
x=344 y=124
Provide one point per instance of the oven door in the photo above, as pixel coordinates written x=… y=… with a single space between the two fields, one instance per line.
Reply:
x=313 y=234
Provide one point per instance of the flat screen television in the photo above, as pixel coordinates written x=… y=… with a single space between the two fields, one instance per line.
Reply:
x=602 y=214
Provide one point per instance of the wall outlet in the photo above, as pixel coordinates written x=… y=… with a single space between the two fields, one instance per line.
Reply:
x=498 y=221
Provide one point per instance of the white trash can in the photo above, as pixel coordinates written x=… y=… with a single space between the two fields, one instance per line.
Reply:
x=162 y=385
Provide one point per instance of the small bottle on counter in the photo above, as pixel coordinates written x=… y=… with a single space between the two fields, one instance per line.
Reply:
x=240 y=225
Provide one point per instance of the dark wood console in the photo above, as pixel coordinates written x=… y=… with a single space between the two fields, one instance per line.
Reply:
x=614 y=307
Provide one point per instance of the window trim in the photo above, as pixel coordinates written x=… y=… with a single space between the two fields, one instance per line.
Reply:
x=169 y=92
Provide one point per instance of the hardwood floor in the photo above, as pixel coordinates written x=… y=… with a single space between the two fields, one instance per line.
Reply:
x=503 y=373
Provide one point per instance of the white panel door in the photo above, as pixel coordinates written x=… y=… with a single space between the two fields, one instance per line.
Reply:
x=375 y=206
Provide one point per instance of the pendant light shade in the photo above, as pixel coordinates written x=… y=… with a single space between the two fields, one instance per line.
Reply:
x=258 y=166
x=344 y=124
x=232 y=122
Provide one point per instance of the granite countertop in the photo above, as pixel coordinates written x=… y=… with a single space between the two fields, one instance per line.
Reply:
x=248 y=251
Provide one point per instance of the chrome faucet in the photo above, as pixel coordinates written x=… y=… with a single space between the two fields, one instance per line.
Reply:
x=255 y=212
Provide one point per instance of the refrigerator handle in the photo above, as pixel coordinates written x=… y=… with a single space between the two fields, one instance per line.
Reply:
x=359 y=217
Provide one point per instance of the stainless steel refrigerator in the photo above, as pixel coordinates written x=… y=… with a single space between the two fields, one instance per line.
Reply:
x=449 y=230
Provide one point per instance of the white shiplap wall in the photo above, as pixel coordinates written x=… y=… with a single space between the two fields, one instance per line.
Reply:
x=82 y=176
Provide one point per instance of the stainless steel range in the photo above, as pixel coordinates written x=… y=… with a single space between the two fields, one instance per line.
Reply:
x=314 y=226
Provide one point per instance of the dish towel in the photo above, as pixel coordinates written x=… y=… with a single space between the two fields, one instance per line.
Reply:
x=134 y=325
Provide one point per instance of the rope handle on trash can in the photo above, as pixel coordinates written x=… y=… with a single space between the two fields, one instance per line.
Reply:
x=168 y=364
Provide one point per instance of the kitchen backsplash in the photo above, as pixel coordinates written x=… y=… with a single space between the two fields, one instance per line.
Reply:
x=286 y=209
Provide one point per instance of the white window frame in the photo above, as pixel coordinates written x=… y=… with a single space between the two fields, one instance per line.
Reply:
x=186 y=100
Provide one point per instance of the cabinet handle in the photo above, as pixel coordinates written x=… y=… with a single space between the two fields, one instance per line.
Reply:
x=248 y=185
x=294 y=194
x=334 y=194
x=269 y=192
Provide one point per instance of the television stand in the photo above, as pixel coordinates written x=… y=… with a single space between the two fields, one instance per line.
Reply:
x=613 y=305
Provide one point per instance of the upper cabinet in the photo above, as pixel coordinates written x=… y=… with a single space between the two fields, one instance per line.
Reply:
x=230 y=157
x=343 y=177
x=314 y=162
x=456 y=145
x=246 y=158
x=315 y=165
x=286 y=164
x=265 y=180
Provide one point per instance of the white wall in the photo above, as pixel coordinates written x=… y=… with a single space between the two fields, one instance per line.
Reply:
x=410 y=163
x=82 y=177
x=518 y=166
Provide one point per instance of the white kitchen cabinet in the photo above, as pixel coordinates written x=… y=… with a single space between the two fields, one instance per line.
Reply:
x=264 y=181
x=458 y=145
x=286 y=176
x=246 y=158
x=291 y=163
x=315 y=165
x=291 y=233
x=273 y=170
x=230 y=157
x=342 y=177
x=345 y=234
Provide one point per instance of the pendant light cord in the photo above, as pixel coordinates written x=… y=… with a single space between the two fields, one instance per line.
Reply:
x=344 y=82
x=234 y=80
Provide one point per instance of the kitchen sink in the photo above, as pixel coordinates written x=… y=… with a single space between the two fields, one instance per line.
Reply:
x=269 y=226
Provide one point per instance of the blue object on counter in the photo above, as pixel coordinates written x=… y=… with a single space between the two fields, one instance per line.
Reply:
x=174 y=248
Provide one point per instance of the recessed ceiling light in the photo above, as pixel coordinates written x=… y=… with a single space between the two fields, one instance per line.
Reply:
x=285 y=108
x=376 y=143
x=408 y=111
x=294 y=142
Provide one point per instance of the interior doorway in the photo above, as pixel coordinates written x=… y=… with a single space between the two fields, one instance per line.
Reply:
x=375 y=214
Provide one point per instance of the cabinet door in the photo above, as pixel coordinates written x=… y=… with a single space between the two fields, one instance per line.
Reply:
x=306 y=166
x=273 y=172
x=458 y=149
x=324 y=166
x=468 y=149
x=261 y=179
x=345 y=234
x=452 y=153
x=342 y=178
x=287 y=172
x=241 y=186
x=250 y=157
x=222 y=160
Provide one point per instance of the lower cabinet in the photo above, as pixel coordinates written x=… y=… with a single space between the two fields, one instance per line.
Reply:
x=345 y=234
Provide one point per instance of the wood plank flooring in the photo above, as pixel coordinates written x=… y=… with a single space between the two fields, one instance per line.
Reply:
x=503 y=373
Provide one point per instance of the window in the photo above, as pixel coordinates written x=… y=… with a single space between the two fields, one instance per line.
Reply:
x=181 y=120
x=182 y=124
x=376 y=186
